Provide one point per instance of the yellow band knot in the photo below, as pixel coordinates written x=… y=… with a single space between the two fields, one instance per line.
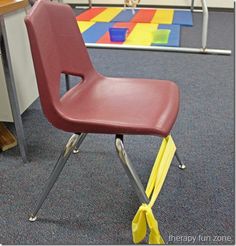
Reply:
x=145 y=217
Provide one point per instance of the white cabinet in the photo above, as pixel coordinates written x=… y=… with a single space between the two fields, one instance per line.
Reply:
x=22 y=66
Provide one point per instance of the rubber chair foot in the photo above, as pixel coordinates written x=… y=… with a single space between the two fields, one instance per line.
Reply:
x=76 y=151
x=182 y=166
x=32 y=218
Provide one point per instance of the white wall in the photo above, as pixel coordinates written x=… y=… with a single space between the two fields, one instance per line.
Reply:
x=211 y=3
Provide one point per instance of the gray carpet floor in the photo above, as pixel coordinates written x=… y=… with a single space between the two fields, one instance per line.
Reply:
x=93 y=202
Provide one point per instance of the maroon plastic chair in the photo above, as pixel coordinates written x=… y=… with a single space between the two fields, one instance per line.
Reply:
x=97 y=104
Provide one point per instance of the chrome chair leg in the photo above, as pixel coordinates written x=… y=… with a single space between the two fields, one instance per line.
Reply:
x=129 y=168
x=81 y=139
x=72 y=142
x=181 y=164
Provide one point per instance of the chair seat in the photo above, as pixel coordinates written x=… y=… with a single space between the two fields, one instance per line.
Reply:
x=120 y=106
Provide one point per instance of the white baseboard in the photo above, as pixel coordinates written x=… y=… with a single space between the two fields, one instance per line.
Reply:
x=210 y=3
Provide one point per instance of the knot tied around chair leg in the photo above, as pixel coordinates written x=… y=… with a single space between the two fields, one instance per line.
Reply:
x=143 y=218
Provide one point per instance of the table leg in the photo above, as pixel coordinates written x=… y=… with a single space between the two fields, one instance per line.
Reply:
x=10 y=83
x=192 y=5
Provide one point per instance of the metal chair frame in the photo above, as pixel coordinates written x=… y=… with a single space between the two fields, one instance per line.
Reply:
x=73 y=145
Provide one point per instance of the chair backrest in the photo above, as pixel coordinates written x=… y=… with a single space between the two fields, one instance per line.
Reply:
x=57 y=47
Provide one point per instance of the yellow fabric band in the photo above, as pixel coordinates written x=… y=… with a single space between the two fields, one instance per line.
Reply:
x=144 y=215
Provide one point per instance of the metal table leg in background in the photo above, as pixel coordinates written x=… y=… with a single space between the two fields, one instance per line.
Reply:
x=10 y=83
x=67 y=78
x=204 y=24
x=192 y=5
x=234 y=45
